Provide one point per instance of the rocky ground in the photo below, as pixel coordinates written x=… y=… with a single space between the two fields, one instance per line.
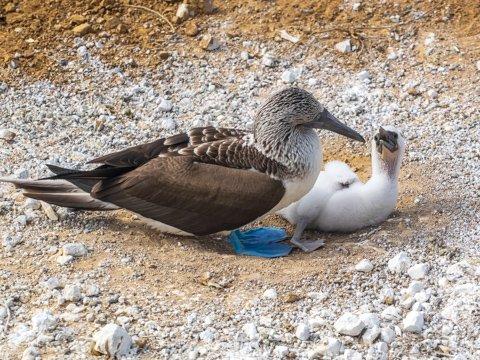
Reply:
x=408 y=288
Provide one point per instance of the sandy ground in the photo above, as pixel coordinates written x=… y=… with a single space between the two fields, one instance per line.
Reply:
x=166 y=279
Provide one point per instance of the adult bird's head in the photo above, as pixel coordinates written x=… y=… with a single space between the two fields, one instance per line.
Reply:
x=291 y=114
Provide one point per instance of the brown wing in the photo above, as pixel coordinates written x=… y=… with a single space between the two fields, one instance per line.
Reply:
x=140 y=154
x=194 y=197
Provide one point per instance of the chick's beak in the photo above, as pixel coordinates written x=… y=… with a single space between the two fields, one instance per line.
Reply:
x=325 y=120
x=387 y=138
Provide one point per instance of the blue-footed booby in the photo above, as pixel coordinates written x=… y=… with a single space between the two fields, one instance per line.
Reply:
x=340 y=202
x=208 y=179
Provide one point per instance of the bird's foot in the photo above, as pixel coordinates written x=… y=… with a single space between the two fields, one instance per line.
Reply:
x=308 y=246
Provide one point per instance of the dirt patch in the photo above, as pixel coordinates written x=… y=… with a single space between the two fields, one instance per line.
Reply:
x=31 y=30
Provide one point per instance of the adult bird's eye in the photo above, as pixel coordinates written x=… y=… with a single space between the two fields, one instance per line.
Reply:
x=395 y=135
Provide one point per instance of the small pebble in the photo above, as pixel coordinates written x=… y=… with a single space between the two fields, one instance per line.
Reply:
x=344 y=46
x=112 y=340
x=399 y=263
x=418 y=271
x=413 y=322
x=349 y=324
x=270 y=294
x=364 y=265
x=289 y=76
x=165 y=105
x=72 y=293
x=302 y=332
x=74 y=249
x=251 y=331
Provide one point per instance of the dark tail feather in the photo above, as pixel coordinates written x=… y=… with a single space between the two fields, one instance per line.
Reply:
x=97 y=174
x=84 y=184
x=59 y=192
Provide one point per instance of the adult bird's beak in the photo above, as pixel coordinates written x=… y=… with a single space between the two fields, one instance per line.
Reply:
x=329 y=122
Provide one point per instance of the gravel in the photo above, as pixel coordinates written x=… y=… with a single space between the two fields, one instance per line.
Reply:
x=419 y=300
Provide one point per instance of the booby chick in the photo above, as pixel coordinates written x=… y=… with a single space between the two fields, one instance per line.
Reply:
x=339 y=201
x=208 y=179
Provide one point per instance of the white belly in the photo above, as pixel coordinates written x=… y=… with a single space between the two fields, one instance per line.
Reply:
x=297 y=188
x=159 y=226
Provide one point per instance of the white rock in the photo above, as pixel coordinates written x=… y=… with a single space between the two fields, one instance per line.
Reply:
x=392 y=55
x=281 y=351
x=387 y=296
x=270 y=294
x=330 y=348
x=302 y=332
x=92 y=290
x=349 y=324
x=356 y=6
x=44 y=321
x=312 y=82
x=72 y=293
x=364 y=265
x=32 y=204
x=289 y=76
x=316 y=323
x=432 y=93
x=3 y=313
x=447 y=329
x=418 y=271
x=413 y=322
x=414 y=288
x=208 y=335
x=250 y=330
x=478 y=65
x=112 y=340
x=182 y=11
x=21 y=173
x=399 y=263
x=74 y=249
x=371 y=334
x=286 y=36
x=64 y=259
x=450 y=313
x=30 y=353
x=370 y=319
x=391 y=313
x=344 y=46
x=21 y=333
x=11 y=241
x=169 y=124
x=52 y=283
x=333 y=347
x=417 y=307
x=364 y=75
x=380 y=348
x=407 y=301
x=443 y=282
x=244 y=55
x=422 y=296
x=165 y=105
x=387 y=335
x=268 y=60
x=350 y=354
x=429 y=39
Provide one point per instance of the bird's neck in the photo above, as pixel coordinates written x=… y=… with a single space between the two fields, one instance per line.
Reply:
x=298 y=149
x=386 y=169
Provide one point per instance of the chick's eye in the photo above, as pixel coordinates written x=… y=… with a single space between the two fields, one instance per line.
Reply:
x=376 y=137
